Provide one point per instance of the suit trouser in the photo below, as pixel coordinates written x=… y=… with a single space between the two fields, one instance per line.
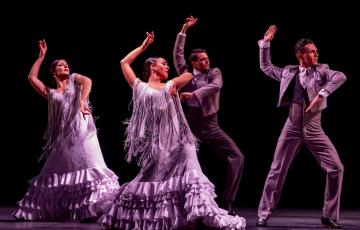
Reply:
x=304 y=128
x=207 y=129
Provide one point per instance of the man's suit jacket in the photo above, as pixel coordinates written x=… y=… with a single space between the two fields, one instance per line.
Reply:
x=207 y=95
x=320 y=77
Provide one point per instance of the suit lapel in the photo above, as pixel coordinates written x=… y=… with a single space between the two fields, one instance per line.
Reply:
x=309 y=76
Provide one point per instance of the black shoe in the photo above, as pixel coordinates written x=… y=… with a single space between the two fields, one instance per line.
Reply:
x=261 y=222
x=330 y=223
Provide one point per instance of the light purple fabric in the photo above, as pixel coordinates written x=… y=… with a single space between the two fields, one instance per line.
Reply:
x=74 y=175
x=170 y=190
x=302 y=127
x=320 y=78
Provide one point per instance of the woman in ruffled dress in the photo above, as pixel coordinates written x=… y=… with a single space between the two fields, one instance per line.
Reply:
x=170 y=190
x=74 y=176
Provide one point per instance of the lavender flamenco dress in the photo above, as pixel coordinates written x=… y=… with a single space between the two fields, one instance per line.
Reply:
x=170 y=190
x=74 y=176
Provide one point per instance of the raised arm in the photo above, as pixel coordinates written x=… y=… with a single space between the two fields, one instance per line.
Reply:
x=128 y=59
x=270 y=33
x=190 y=21
x=34 y=71
x=85 y=84
x=178 y=52
x=265 y=58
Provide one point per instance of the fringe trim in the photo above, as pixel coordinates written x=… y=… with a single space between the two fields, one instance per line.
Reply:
x=157 y=124
x=62 y=122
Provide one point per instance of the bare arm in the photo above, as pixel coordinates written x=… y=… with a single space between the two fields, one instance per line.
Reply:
x=85 y=84
x=128 y=59
x=34 y=71
x=182 y=80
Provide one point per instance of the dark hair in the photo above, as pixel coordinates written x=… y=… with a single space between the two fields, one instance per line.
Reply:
x=53 y=65
x=194 y=54
x=147 y=69
x=300 y=45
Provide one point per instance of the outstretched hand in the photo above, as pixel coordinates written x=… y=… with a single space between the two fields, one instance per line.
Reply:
x=190 y=21
x=148 y=40
x=186 y=95
x=270 y=33
x=316 y=101
x=43 y=48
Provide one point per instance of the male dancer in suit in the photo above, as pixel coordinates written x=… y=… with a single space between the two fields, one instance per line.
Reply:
x=202 y=96
x=305 y=88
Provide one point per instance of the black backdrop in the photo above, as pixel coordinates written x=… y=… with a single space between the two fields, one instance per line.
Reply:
x=94 y=37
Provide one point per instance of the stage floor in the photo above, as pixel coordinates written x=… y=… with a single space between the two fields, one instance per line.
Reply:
x=282 y=219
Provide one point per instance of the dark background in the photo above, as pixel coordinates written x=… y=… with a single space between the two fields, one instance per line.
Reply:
x=93 y=37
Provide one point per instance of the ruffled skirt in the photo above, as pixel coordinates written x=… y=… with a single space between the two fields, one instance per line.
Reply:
x=67 y=196
x=173 y=203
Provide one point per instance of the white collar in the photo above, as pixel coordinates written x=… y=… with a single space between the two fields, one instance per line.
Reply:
x=196 y=72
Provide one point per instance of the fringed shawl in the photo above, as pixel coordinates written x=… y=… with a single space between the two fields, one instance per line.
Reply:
x=63 y=123
x=157 y=125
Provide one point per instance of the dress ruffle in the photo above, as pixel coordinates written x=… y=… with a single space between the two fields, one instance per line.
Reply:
x=174 y=203
x=67 y=196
